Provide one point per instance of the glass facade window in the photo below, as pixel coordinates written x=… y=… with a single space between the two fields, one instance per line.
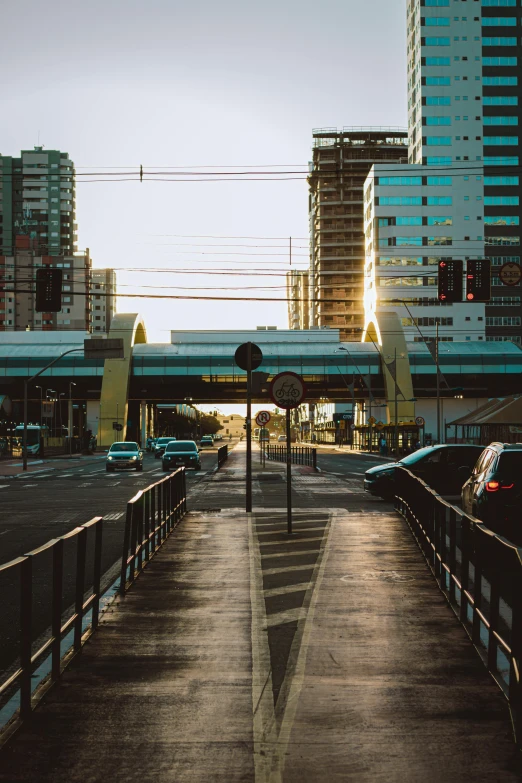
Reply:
x=492 y=160
x=433 y=241
x=411 y=280
x=399 y=181
x=495 y=3
x=438 y=120
x=501 y=201
x=438 y=81
x=400 y=201
x=503 y=320
x=437 y=21
x=499 y=42
x=500 y=120
x=399 y=261
x=500 y=81
x=430 y=41
x=437 y=3
x=440 y=221
x=439 y=181
x=499 y=21
x=501 y=220
x=440 y=201
x=438 y=100
x=438 y=141
x=506 y=301
x=501 y=141
x=499 y=260
x=437 y=61
x=501 y=61
x=409 y=221
x=504 y=241
x=437 y=160
x=500 y=100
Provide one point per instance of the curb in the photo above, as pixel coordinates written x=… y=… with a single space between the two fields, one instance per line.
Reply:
x=45 y=470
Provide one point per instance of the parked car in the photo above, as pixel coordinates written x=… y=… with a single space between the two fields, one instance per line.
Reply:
x=124 y=455
x=161 y=445
x=281 y=439
x=218 y=436
x=444 y=467
x=493 y=492
x=206 y=440
x=181 y=453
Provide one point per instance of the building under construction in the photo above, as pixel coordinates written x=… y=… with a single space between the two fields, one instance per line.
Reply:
x=342 y=160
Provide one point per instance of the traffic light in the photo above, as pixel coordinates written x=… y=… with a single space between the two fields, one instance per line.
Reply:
x=450 y=280
x=478 y=280
x=48 y=290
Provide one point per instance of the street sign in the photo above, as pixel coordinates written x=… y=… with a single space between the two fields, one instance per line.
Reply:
x=48 y=290
x=262 y=418
x=478 y=280
x=510 y=274
x=117 y=426
x=347 y=415
x=287 y=390
x=241 y=356
x=352 y=426
x=342 y=424
x=450 y=280
x=372 y=420
x=47 y=410
x=420 y=421
x=103 y=349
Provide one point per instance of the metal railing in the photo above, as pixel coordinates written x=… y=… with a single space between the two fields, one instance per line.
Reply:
x=151 y=516
x=222 y=455
x=480 y=574
x=300 y=455
x=21 y=569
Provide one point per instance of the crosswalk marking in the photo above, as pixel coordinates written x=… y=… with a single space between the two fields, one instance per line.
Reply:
x=3 y=486
x=30 y=485
x=114 y=515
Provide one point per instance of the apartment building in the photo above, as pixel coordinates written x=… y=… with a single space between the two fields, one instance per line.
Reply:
x=17 y=290
x=340 y=165
x=103 y=303
x=464 y=96
x=297 y=293
x=415 y=218
x=37 y=199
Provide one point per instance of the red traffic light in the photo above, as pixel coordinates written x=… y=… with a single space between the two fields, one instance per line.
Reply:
x=470 y=296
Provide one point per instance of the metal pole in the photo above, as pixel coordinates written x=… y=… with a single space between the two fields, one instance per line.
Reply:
x=288 y=474
x=249 y=431
x=438 y=378
x=24 y=439
x=396 y=409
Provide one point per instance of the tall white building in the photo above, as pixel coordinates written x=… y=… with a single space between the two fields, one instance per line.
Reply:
x=416 y=217
x=103 y=299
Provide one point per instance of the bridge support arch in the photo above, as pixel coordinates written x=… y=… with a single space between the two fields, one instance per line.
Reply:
x=114 y=401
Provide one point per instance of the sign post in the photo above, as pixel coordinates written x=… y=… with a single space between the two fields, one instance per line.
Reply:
x=288 y=391
x=510 y=274
x=248 y=357
x=262 y=419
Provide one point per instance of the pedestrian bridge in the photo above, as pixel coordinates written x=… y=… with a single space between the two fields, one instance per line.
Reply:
x=200 y=366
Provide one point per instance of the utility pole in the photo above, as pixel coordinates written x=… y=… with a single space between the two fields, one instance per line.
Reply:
x=438 y=376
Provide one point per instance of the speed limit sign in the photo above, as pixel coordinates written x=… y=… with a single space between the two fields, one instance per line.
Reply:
x=262 y=418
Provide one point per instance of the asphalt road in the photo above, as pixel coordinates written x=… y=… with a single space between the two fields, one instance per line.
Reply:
x=346 y=463
x=38 y=507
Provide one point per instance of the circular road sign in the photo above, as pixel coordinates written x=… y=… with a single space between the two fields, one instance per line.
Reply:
x=352 y=426
x=262 y=418
x=287 y=390
x=420 y=421
x=510 y=274
x=241 y=356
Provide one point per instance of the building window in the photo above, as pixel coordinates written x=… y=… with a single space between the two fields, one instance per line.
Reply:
x=505 y=201
x=439 y=201
x=440 y=221
x=439 y=180
x=502 y=141
x=499 y=42
x=399 y=181
x=438 y=141
x=506 y=320
x=500 y=120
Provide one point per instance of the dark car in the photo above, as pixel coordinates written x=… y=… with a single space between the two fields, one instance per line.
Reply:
x=444 y=468
x=161 y=444
x=181 y=453
x=493 y=492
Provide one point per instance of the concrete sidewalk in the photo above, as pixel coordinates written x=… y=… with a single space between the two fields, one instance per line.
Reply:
x=242 y=654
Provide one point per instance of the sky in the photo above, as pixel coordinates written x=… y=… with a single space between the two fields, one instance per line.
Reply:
x=174 y=85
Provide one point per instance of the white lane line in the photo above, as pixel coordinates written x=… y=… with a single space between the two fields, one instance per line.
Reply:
x=271 y=555
x=114 y=515
x=289 y=616
x=303 y=539
x=3 y=486
x=4 y=532
x=29 y=485
x=275 y=591
x=86 y=484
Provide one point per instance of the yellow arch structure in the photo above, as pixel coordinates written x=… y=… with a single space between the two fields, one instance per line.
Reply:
x=130 y=327
x=385 y=330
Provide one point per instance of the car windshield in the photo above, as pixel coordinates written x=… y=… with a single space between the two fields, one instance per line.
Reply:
x=411 y=459
x=510 y=464
x=165 y=440
x=124 y=447
x=181 y=445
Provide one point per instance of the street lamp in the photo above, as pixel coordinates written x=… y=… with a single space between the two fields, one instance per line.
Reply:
x=51 y=399
x=70 y=417
x=62 y=394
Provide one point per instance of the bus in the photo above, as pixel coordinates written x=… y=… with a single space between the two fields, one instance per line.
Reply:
x=35 y=435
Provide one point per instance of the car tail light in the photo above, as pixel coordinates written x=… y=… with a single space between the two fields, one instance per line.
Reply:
x=492 y=486
x=507 y=486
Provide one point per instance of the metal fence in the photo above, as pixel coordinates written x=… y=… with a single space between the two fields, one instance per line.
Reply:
x=300 y=455
x=222 y=455
x=151 y=515
x=21 y=571
x=480 y=574
x=45 y=576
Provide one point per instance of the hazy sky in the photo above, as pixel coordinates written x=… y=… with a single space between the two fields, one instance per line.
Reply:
x=164 y=83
